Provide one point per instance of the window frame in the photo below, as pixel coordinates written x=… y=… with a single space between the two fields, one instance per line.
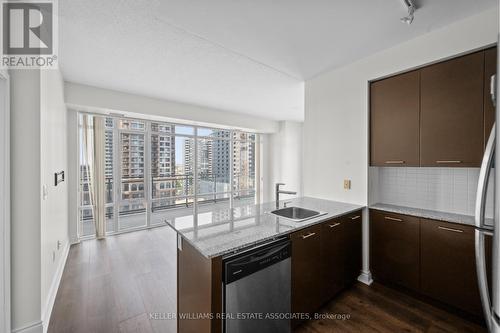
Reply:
x=192 y=200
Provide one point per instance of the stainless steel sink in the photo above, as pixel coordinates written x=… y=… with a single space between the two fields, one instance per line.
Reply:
x=297 y=214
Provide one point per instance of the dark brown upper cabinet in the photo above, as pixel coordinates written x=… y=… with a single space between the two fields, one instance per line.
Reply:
x=451 y=112
x=394 y=121
x=490 y=68
x=439 y=115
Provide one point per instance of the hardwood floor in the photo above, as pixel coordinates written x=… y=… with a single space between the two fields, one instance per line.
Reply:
x=377 y=308
x=114 y=285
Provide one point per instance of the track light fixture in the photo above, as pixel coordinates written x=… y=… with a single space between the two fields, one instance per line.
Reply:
x=411 y=10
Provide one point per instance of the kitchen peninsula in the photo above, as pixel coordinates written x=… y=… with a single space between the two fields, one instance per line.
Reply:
x=212 y=236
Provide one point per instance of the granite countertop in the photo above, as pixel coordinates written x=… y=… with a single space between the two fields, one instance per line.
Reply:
x=425 y=213
x=220 y=230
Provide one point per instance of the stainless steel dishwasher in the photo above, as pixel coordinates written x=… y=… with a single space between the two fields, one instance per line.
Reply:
x=257 y=287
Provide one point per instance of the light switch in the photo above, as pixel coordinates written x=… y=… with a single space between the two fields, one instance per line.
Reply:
x=347 y=184
x=45 y=192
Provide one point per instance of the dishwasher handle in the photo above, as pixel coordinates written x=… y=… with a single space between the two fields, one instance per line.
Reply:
x=252 y=261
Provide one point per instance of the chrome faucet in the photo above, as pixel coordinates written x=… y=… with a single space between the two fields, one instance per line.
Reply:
x=278 y=192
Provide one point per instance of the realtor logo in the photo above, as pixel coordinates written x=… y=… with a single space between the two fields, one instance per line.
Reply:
x=29 y=34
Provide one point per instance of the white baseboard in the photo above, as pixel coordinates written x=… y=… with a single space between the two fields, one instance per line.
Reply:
x=51 y=298
x=32 y=328
x=365 y=277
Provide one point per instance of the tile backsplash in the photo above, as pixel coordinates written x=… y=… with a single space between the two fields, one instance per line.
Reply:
x=443 y=189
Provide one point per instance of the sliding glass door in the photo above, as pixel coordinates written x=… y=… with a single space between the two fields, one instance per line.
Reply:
x=132 y=206
x=172 y=178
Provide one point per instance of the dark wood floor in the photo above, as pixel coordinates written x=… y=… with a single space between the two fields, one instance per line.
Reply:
x=115 y=284
x=377 y=308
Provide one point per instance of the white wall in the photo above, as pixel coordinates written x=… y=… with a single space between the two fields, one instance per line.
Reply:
x=104 y=99
x=336 y=113
x=4 y=202
x=38 y=149
x=25 y=199
x=73 y=174
x=54 y=209
x=282 y=153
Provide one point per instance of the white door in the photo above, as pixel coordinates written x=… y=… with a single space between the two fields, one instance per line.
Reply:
x=4 y=204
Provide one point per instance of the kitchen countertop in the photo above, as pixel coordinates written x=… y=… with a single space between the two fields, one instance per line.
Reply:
x=220 y=231
x=425 y=213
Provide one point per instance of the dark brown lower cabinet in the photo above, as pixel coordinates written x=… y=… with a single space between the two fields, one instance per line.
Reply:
x=306 y=270
x=333 y=253
x=325 y=259
x=199 y=290
x=394 y=248
x=448 y=271
x=352 y=246
x=432 y=258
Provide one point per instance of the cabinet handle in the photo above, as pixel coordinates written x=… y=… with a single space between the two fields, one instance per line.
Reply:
x=393 y=219
x=334 y=225
x=450 y=229
x=355 y=217
x=308 y=235
x=394 y=162
x=448 y=162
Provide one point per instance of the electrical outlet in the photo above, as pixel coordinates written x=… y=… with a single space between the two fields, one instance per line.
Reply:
x=59 y=244
x=347 y=184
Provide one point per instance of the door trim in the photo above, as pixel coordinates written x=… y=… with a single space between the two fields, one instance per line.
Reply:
x=5 y=324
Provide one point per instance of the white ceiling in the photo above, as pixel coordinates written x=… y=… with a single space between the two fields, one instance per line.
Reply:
x=242 y=56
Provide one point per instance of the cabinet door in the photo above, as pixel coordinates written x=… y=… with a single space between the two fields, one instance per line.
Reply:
x=490 y=68
x=353 y=247
x=306 y=270
x=451 y=112
x=394 y=120
x=448 y=271
x=333 y=254
x=394 y=248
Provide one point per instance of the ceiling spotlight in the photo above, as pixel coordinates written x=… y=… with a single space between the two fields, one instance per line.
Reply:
x=411 y=10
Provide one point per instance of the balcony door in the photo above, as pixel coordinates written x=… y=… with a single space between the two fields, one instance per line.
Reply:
x=133 y=188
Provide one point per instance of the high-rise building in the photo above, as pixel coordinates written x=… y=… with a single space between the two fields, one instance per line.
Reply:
x=243 y=165
x=204 y=157
x=216 y=157
x=204 y=161
x=163 y=168
x=222 y=156
x=108 y=160
x=132 y=165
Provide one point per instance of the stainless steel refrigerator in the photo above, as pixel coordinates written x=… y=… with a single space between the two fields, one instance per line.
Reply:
x=488 y=221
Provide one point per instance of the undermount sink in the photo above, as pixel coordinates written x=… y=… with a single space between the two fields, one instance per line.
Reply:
x=297 y=214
